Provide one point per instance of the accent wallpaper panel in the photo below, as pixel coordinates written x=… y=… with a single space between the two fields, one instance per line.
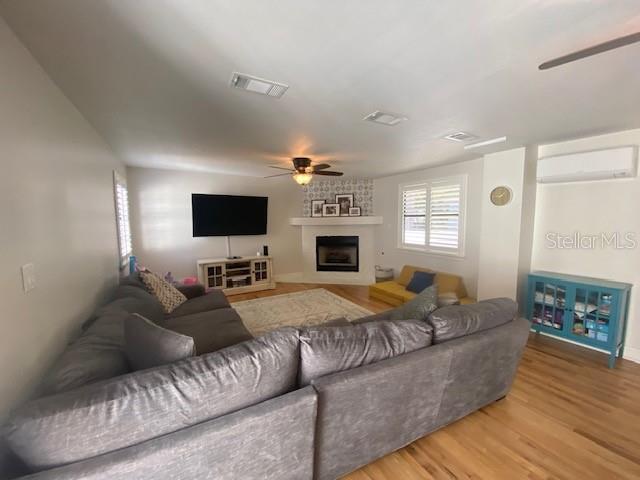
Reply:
x=362 y=190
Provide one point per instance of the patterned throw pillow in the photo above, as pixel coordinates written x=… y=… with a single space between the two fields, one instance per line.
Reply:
x=419 y=307
x=168 y=295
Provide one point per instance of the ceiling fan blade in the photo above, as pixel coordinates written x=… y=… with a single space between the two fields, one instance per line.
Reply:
x=278 y=175
x=280 y=168
x=321 y=166
x=329 y=174
x=594 y=50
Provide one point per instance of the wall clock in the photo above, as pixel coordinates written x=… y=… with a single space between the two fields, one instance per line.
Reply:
x=500 y=196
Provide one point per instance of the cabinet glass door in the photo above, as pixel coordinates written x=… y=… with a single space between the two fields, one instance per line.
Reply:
x=549 y=306
x=591 y=314
x=260 y=271
x=215 y=276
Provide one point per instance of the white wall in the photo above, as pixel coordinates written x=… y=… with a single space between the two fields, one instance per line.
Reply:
x=505 y=242
x=591 y=208
x=160 y=202
x=386 y=199
x=56 y=211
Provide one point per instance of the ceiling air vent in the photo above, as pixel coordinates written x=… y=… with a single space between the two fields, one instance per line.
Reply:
x=385 y=118
x=460 y=137
x=258 y=85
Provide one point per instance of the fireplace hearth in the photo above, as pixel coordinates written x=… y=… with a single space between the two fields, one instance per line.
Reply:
x=337 y=254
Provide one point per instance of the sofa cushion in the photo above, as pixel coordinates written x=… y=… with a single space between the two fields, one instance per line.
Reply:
x=133 y=280
x=420 y=281
x=148 y=345
x=459 y=320
x=212 y=330
x=325 y=350
x=192 y=290
x=419 y=307
x=448 y=298
x=446 y=282
x=213 y=300
x=97 y=354
x=168 y=295
x=392 y=289
x=406 y=274
x=142 y=303
x=130 y=409
x=376 y=317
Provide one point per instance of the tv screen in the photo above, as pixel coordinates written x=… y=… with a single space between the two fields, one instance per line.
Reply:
x=222 y=215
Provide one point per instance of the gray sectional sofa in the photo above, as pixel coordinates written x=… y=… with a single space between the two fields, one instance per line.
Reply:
x=297 y=404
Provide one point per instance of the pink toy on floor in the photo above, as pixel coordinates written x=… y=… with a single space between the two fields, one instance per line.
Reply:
x=189 y=281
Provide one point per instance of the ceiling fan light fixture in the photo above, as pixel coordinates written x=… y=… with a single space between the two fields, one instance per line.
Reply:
x=302 y=178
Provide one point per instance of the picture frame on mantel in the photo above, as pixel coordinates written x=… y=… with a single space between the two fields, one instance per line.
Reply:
x=354 y=212
x=316 y=207
x=331 y=210
x=345 y=200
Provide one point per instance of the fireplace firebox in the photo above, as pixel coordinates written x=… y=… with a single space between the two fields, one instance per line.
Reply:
x=337 y=254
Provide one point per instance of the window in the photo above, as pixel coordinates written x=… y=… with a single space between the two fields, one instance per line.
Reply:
x=432 y=216
x=122 y=217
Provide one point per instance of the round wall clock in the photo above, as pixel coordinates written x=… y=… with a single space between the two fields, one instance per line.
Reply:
x=501 y=195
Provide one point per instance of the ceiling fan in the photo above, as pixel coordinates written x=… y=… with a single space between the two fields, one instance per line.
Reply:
x=593 y=50
x=303 y=171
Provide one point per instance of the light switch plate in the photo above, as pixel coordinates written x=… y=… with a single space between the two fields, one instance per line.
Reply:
x=28 y=277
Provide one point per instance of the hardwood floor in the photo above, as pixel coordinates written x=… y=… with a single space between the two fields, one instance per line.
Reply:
x=567 y=417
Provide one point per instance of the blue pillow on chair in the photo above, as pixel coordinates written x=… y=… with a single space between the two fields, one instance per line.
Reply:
x=420 y=281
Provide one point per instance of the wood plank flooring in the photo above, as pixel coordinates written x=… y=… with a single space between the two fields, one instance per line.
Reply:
x=567 y=417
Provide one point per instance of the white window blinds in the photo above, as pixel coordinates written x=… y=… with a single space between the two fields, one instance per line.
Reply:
x=432 y=216
x=414 y=213
x=444 y=215
x=122 y=217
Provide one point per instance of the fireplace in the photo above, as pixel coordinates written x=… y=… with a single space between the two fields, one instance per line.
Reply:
x=337 y=254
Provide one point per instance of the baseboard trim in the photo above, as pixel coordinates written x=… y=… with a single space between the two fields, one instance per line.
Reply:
x=632 y=354
x=295 y=277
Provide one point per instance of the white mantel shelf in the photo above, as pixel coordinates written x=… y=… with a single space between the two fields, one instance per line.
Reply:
x=321 y=221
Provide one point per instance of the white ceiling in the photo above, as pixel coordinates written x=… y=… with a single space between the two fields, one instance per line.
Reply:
x=152 y=76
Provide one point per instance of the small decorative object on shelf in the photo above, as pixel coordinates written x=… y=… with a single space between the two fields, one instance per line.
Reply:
x=584 y=310
x=316 y=207
x=331 y=210
x=354 y=211
x=132 y=264
x=345 y=200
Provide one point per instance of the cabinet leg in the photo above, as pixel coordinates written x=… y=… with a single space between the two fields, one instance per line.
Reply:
x=612 y=359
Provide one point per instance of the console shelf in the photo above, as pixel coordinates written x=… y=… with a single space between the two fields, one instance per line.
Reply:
x=583 y=310
x=237 y=275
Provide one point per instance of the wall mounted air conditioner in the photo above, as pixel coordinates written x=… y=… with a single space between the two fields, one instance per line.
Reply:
x=587 y=166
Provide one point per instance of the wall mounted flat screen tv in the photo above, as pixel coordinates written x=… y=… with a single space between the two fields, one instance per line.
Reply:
x=225 y=215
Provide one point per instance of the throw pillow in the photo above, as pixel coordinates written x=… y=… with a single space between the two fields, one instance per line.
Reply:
x=419 y=307
x=420 y=281
x=149 y=345
x=168 y=295
x=325 y=350
x=448 y=298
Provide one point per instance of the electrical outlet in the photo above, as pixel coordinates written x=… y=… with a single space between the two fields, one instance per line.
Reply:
x=28 y=277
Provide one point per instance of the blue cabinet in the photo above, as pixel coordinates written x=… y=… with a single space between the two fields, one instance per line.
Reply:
x=584 y=310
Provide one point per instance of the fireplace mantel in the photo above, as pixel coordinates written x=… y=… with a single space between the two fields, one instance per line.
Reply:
x=321 y=221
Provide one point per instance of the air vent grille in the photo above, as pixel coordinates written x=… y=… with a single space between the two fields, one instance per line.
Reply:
x=258 y=85
x=460 y=137
x=385 y=118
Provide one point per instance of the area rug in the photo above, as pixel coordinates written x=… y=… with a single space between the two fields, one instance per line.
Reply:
x=309 y=307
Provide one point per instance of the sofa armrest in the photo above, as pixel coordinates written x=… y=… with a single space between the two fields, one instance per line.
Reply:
x=265 y=441
x=388 y=404
x=191 y=291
